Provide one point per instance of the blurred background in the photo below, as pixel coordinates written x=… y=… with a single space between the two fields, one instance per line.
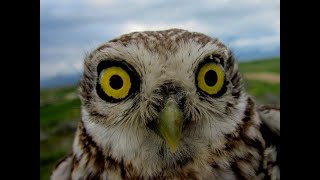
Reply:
x=71 y=28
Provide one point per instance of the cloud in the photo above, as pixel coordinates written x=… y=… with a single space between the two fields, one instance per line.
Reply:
x=49 y=70
x=68 y=29
x=266 y=42
x=62 y=61
x=191 y=25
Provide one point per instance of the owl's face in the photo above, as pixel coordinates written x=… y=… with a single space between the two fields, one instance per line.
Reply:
x=160 y=95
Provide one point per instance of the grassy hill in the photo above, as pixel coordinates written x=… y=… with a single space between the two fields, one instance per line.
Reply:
x=60 y=109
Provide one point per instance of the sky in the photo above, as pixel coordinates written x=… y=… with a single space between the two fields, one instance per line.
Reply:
x=71 y=28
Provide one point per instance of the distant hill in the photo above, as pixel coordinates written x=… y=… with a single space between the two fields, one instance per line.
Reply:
x=255 y=54
x=60 y=81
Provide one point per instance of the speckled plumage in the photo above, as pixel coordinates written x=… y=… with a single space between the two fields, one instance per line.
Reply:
x=226 y=137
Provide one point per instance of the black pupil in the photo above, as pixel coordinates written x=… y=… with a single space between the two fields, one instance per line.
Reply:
x=116 y=82
x=211 y=78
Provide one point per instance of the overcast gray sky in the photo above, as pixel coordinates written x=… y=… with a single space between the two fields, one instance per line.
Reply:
x=70 y=28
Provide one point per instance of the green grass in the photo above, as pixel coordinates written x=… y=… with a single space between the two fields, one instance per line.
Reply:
x=60 y=111
x=52 y=150
x=271 y=65
x=56 y=93
x=60 y=106
x=57 y=106
x=263 y=92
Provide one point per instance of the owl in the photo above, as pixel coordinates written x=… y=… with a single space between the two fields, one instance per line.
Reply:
x=169 y=104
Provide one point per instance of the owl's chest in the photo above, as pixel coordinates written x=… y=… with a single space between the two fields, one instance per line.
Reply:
x=92 y=168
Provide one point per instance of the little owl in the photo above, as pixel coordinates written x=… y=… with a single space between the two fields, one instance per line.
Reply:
x=169 y=105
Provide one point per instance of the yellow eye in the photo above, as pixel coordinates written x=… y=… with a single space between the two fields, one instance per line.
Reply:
x=115 y=82
x=210 y=78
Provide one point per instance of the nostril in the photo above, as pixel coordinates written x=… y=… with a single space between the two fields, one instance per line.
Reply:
x=158 y=106
x=181 y=102
x=157 y=103
x=168 y=88
x=152 y=125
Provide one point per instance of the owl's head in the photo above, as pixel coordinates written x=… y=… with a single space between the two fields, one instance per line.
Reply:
x=160 y=94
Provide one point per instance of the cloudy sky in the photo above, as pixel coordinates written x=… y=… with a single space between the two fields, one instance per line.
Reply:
x=70 y=28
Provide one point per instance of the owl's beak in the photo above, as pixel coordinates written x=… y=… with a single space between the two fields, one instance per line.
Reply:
x=170 y=124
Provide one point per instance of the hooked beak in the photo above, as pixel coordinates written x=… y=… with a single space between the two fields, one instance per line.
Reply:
x=170 y=124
